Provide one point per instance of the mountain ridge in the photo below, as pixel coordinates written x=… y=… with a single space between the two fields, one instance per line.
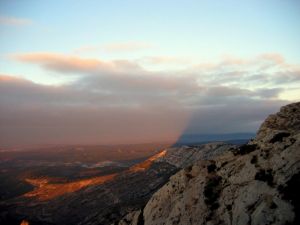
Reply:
x=256 y=183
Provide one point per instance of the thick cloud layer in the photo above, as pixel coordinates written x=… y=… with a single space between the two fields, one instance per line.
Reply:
x=121 y=102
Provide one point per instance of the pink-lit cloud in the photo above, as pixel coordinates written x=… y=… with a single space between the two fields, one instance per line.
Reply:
x=157 y=60
x=73 y=64
x=13 y=21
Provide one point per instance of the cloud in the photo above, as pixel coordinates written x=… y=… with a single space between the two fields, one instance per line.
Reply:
x=264 y=71
x=270 y=92
x=233 y=115
x=33 y=114
x=264 y=76
x=157 y=60
x=71 y=114
x=120 y=101
x=13 y=21
x=227 y=91
x=273 y=57
x=73 y=64
x=114 y=75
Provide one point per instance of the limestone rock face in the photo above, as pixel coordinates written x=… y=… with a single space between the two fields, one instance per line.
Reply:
x=279 y=126
x=256 y=183
x=182 y=157
x=131 y=218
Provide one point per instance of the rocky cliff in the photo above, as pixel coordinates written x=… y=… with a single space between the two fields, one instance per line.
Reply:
x=256 y=183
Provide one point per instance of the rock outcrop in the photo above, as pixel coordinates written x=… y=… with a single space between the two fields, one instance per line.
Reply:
x=185 y=156
x=255 y=184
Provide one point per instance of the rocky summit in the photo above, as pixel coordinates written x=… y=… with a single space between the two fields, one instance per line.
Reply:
x=256 y=183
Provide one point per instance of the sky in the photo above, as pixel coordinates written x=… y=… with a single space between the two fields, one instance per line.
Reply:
x=111 y=72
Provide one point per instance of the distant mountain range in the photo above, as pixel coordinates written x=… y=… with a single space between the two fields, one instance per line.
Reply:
x=234 y=138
